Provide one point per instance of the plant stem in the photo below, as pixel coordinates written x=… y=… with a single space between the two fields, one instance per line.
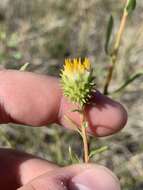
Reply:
x=121 y=30
x=85 y=138
x=114 y=53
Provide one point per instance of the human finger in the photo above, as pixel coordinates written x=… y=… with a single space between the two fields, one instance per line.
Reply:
x=23 y=170
x=105 y=116
x=18 y=168
x=37 y=100
x=75 y=177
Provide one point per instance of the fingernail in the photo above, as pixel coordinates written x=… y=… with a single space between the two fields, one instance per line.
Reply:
x=99 y=178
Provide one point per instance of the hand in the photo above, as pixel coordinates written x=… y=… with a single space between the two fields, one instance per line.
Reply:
x=36 y=100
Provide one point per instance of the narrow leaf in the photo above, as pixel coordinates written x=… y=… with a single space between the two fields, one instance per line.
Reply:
x=128 y=81
x=130 y=6
x=99 y=150
x=73 y=157
x=24 y=67
x=108 y=33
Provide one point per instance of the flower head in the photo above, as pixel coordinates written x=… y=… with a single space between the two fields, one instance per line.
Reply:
x=77 y=80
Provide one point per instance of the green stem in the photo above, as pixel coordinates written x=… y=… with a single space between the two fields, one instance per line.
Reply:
x=85 y=138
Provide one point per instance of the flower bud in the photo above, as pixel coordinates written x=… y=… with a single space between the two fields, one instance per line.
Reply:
x=77 y=80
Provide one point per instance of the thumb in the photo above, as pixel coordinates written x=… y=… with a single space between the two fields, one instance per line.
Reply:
x=76 y=177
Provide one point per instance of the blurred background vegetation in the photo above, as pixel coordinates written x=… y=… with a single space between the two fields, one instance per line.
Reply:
x=43 y=33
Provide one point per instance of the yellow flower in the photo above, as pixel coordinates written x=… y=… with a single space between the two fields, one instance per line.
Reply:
x=77 y=80
x=76 y=66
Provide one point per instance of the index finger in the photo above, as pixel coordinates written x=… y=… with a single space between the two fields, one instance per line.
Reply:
x=37 y=100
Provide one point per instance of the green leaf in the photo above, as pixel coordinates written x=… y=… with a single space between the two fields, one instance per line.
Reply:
x=128 y=81
x=99 y=150
x=73 y=157
x=24 y=67
x=130 y=6
x=108 y=33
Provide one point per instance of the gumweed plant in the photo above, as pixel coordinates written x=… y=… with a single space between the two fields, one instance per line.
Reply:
x=78 y=84
x=78 y=81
